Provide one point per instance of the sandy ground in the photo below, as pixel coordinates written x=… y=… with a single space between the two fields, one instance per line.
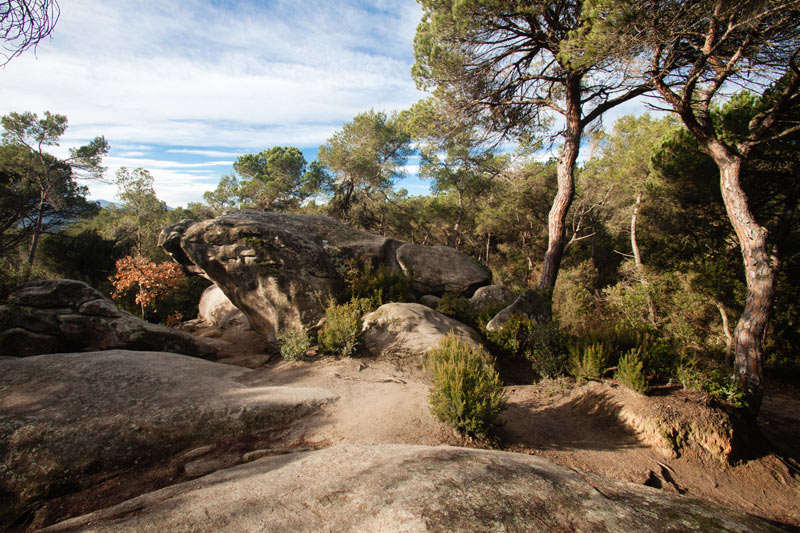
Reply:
x=381 y=403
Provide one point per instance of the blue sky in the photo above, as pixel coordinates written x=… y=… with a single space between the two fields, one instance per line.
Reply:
x=183 y=88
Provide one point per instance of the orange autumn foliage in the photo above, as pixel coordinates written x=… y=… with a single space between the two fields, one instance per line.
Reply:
x=151 y=281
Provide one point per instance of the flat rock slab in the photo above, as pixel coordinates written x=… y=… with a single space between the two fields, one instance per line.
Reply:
x=66 y=416
x=410 y=488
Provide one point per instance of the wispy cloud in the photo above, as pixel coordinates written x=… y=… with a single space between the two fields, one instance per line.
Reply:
x=215 y=79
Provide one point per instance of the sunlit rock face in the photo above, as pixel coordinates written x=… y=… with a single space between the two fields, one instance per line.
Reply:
x=280 y=269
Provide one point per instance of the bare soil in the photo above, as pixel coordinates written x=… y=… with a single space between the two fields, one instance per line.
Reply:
x=577 y=427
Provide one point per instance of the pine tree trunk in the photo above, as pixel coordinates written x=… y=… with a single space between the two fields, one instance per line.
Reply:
x=760 y=268
x=556 y=221
x=37 y=231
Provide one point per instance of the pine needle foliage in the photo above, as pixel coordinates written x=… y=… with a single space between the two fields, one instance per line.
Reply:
x=467 y=392
x=588 y=362
x=630 y=371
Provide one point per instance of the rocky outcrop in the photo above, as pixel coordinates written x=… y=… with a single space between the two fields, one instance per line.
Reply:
x=279 y=268
x=410 y=488
x=492 y=297
x=217 y=310
x=439 y=269
x=408 y=330
x=65 y=315
x=65 y=417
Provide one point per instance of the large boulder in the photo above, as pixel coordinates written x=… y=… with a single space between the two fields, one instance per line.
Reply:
x=280 y=268
x=65 y=417
x=414 y=489
x=439 y=269
x=64 y=315
x=492 y=297
x=217 y=310
x=409 y=330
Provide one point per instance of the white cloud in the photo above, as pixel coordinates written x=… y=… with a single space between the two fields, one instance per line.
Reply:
x=207 y=153
x=215 y=79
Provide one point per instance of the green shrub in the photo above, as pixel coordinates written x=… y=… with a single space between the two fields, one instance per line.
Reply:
x=467 y=392
x=630 y=371
x=457 y=307
x=541 y=343
x=657 y=355
x=718 y=384
x=294 y=344
x=587 y=363
x=339 y=335
x=380 y=284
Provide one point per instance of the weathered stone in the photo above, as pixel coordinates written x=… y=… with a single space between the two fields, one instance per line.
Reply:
x=64 y=417
x=54 y=293
x=277 y=268
x=414 y=489
x=410 y=330
x=439 y=269
x=280 y=268
x=492 y=296
x=217 y=310
x=201 y=467
x=530 y=304
x=65 y=315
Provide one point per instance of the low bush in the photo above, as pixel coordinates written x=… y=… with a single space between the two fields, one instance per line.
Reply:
x=714 y=381
x=295 y=343
x=587 y=363
x=380 y=284
x=541 y=343
x=630 y=371
x=457 y=307
x=339 y=335
x=467 y=392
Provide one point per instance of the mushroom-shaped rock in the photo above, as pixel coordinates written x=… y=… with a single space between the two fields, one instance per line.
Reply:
x=65 y=315
x=353 y=488
x=277 y=268
x=216 y=309
x=401 y=330
x=65 y=417
x=439 y=269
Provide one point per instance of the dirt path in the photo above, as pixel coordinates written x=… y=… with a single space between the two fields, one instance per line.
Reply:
x=382 y=404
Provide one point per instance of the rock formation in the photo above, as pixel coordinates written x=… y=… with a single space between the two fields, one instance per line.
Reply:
x=64 y=417
x=492 y=296
x=65 y=315
x=410 y=488
x=217 y=310
x=280 y=268
x=400 y=330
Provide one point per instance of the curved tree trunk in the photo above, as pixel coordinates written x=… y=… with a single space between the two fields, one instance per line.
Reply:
x=556 y=220
x=726 y=330
x=760 y=268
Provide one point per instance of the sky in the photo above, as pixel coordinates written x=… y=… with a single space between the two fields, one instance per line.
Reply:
x=183 y=88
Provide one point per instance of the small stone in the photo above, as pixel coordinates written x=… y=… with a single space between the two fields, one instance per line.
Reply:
x=197 y=452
